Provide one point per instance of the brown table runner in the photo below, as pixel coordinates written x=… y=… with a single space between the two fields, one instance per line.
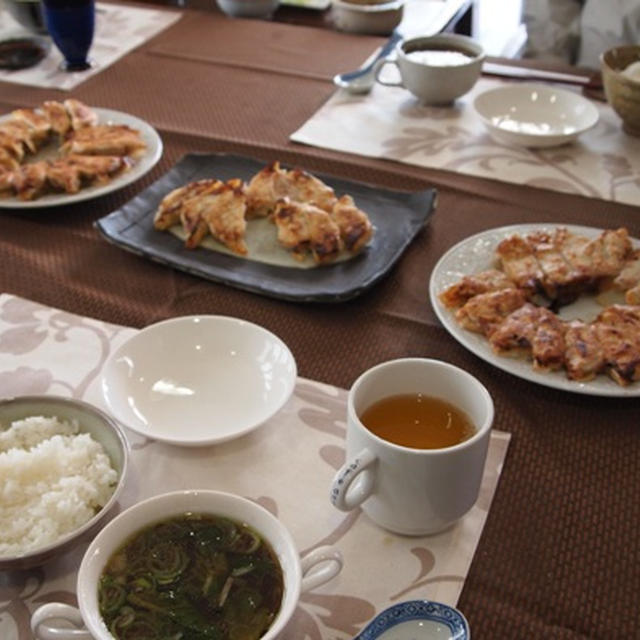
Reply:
x=557 y=558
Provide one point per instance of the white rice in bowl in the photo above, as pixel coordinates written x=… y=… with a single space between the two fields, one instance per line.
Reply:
x=53 y=479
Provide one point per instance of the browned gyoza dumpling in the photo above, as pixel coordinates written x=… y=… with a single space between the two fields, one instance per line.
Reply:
x=304 y=227
x=273 y=183
x=533 y=332
x=169 y=210
x=104 y=139
x=71 y=173
x=204 y=207
x=355 y=227
x=485 y=312
x=474 y=284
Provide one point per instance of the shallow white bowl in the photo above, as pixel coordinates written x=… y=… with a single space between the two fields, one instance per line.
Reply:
x=535 y=115
x=103 y=429
x=198 y=380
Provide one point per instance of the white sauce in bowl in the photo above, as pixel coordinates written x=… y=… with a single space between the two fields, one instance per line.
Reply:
x=439 y=57
x=633 y=71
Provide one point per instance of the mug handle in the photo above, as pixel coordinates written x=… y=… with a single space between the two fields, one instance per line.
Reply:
x=43 y=629
x=387 y=83
x=358 y=467
x=330 y=559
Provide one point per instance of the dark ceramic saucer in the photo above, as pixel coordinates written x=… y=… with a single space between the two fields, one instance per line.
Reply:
x=22 y=52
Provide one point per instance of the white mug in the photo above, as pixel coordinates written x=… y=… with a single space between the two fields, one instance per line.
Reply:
x=51 y=621
x=405 y=490
x=436 y=82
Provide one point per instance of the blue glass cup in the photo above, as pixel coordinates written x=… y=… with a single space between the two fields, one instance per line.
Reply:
x=71 y=24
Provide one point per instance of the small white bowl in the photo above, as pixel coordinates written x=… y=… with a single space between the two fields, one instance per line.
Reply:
x=300 y=574
x=535 y=115
x=198 y=380
x=374 y=19
x=248 y=8
x=102 y=429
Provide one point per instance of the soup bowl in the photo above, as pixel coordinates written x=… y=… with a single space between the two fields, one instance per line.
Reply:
x=435 y=69
x=51 y=621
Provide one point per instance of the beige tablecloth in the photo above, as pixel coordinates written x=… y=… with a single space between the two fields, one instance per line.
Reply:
x=286 y=465
x=119 y=29
x=390 y=123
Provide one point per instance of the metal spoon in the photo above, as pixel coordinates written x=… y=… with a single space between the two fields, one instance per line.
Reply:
x=362 y=80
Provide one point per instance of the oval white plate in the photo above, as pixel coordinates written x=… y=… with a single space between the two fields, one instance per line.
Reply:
x=417 y=620
x=477 y=253
x=198 y=380
x=535 y=115
x=143 y=165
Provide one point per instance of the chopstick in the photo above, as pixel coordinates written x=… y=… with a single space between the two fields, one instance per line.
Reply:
x=527 y=73
x=591 y=83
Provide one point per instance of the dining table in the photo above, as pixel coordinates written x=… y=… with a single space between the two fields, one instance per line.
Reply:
x=555 y=553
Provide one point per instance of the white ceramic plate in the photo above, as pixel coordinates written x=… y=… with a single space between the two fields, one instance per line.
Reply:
x=476 y=254
x=535 y=115
x=417 y=620
x=142 y=166
x=198 y=380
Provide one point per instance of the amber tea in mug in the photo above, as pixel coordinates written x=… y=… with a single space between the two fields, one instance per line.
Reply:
x=418 y=421
x=407 y=489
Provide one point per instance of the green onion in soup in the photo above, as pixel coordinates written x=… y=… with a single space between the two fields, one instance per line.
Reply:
x=193 y=577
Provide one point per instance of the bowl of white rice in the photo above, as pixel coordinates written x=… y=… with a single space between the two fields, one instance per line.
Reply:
x=63 y=464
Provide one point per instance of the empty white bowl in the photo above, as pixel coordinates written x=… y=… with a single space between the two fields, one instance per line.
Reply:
x=535 y=115
x=198 y=380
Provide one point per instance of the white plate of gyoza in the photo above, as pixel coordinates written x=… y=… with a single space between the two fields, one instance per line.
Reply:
x=64 y=152
x=558 y=305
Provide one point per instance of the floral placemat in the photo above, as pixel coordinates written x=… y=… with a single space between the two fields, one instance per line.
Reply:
x=390 y=123
x=119 y=29
x=286 y=465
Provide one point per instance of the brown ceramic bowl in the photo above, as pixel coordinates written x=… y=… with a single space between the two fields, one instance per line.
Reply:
x=622 y=91
x=103 y=429
x=374 y=18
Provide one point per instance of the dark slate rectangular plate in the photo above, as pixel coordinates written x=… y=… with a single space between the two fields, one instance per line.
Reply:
x=398 y=216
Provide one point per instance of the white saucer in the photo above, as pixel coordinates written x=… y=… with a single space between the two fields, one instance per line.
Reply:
x=535 y=115
x=198 y=380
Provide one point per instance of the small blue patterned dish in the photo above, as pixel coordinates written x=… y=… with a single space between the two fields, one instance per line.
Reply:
x=417 y=620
